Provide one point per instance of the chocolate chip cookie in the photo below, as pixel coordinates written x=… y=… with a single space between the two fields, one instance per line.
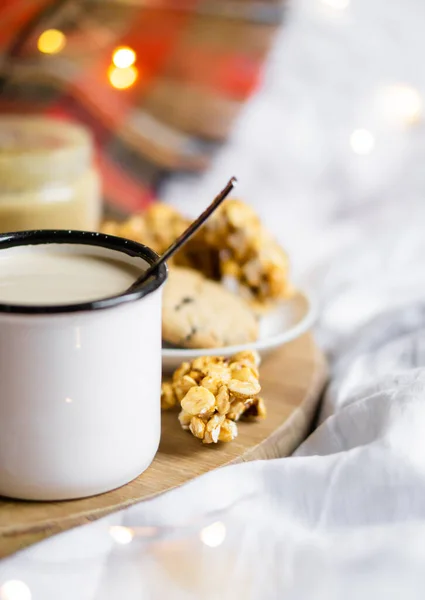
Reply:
x=199 y=313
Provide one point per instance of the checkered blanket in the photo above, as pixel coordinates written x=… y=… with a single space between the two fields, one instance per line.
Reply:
x=197 y=61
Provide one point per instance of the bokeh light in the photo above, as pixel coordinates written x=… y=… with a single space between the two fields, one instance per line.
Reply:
x=121 y=535
x=51 y=41
x=122 y=79
x=401 y=104
x=124 y=57
x=15 y=590
x=362 y=141
x=213 y=535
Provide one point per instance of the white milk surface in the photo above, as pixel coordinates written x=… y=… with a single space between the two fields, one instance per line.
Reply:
x=54 y=277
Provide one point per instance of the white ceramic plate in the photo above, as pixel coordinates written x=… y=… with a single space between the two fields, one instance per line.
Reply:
x=285 y=323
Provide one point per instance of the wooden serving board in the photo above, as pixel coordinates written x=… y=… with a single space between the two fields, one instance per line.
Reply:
x=292 y=379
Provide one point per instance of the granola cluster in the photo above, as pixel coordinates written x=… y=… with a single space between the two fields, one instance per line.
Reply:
x=214 y=393
x=246 y=252
x=157 y=227
x=232 y=244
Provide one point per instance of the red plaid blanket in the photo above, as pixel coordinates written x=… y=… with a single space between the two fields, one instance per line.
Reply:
x=196 y=61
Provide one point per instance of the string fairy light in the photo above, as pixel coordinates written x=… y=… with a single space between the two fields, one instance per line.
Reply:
x=122 y=78
x=51 y=41
x=124 y=57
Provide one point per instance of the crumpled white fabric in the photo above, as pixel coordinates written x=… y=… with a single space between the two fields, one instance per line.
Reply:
x=345 y=516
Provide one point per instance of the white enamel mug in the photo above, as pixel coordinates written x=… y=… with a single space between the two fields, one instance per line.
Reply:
x=80 y=383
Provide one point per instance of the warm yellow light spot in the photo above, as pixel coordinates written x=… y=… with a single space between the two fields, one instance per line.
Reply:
x=124 y=57
x=15 y=590
x=121 y=535
x=51 y=41
x=401 y=104
x=362 y=141
x=122 y=78
x=213 y=535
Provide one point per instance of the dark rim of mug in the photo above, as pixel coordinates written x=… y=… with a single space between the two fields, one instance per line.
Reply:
x=85 y=238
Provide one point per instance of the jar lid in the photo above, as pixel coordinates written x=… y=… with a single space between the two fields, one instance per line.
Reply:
x=39 y=151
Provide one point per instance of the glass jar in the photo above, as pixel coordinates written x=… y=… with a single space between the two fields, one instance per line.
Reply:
x=47 y=177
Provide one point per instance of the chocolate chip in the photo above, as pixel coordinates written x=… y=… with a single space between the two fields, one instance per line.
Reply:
x=186 y=300
x=193 y=332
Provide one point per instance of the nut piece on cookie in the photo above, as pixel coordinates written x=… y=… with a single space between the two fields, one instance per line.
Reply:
x=220 y=392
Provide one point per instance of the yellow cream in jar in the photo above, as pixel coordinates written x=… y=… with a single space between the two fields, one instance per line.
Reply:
x=47 y=179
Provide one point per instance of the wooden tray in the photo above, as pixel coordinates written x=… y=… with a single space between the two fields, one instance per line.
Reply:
x=292 y=378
